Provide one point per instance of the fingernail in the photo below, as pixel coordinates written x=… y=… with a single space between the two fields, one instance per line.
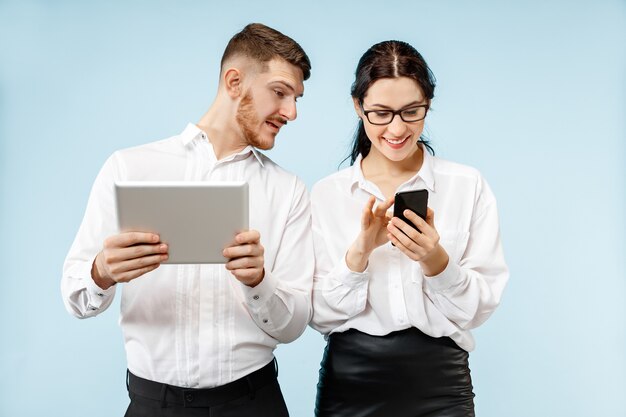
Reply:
x=163 y=247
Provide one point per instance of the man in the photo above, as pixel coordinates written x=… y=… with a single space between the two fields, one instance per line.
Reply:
x=202 y=336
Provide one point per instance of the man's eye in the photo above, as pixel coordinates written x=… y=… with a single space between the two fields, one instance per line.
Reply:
x=279 y=93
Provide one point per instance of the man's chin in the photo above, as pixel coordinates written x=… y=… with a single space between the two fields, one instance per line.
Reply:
x=264 y=144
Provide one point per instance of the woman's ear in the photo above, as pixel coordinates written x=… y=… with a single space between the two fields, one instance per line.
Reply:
x=357 y=107
x=233 y=82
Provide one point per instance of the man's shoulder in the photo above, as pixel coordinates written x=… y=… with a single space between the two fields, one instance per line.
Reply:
x=171 y=143
x=276 y=171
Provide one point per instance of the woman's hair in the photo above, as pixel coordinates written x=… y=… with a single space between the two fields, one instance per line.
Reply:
x=389 y=59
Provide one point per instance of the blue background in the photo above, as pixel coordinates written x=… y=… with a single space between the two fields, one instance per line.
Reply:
x=531 y=93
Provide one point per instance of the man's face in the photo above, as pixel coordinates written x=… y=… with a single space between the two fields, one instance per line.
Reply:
x=269 y=102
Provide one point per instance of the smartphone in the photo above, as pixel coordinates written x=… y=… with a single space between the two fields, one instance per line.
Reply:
x=416 y=201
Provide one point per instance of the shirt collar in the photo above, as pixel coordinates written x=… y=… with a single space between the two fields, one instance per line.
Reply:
x=425 y=173
x=193 y=132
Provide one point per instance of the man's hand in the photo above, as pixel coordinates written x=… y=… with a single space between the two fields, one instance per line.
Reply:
x=245 y=258
x=127 y=256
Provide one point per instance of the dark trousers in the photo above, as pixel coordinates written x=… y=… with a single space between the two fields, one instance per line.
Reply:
x=403 y=374
x=257 y=394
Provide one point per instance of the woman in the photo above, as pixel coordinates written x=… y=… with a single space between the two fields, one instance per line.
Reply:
x=397 y=303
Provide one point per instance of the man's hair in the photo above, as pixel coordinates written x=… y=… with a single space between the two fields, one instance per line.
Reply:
x=262 y=44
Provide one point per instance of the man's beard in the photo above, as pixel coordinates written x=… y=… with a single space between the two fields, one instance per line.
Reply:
x=249 y=123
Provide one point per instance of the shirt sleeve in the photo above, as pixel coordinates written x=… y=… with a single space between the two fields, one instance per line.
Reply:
x=468 y=291
x=338 y=292
x=281 y=303
x=81 y=296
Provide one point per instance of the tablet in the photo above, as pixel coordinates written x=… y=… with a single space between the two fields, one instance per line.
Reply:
x=196 y=219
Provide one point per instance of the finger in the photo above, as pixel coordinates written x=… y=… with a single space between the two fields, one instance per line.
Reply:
x=366 y=216
x=369 y=206
x=122 y=268
x=430 y=217
x=405 y=228
x=387 y=204
x=401 y=236
x=131 y=275
x=424 y=227
x=240 y=251
x=133 y=252
x=398 y=244
x=248 y=236
x=244 y=263
x=126 y=239
x=381 y=209
x=416 y=220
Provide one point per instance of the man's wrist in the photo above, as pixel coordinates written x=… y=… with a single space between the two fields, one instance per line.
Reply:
x=100 y=281
x=258 y=280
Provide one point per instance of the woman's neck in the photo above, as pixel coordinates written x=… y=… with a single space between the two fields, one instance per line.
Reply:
x=388 y=175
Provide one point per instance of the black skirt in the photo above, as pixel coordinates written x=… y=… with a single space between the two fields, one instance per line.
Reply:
x=405 y=373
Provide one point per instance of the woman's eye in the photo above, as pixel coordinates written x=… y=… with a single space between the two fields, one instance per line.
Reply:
x=381 y=113
x=412 y=112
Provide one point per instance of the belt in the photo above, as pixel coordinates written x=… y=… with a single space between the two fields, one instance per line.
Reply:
x=202 y=397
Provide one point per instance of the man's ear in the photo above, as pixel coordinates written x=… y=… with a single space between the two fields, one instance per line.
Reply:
x=233 y=82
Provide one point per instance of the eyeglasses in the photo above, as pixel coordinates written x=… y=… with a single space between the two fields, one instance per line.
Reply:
x=384 y=117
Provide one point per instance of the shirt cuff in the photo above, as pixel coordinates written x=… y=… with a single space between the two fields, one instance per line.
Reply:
x=350 y=278
x=450 y=277
x=97 y=295
x=257 y=296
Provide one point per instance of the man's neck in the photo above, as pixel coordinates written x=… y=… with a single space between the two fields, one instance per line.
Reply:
x=222 y=131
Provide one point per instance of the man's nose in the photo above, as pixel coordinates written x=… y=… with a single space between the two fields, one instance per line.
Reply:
x=289 y=111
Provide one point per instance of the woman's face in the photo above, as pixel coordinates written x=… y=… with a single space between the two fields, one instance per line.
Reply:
x=397 y=140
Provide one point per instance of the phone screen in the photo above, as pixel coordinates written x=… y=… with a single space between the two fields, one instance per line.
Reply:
x=416 y=201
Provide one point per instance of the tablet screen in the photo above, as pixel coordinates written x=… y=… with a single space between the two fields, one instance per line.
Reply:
x=196 y=219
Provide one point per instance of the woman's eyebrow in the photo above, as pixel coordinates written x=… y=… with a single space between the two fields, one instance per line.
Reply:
x=413 y=103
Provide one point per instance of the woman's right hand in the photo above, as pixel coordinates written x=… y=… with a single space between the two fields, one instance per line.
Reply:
x=373 y=234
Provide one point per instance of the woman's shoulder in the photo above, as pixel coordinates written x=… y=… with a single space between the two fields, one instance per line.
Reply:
x=339 y=180
x=449 y=168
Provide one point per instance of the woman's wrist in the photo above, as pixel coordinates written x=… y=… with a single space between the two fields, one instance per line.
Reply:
x=357 y=258
x=436 y=263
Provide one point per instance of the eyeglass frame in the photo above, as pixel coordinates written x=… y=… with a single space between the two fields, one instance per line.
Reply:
x=394 y=113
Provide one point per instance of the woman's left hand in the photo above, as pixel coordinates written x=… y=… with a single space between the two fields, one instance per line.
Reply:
x=422 y=246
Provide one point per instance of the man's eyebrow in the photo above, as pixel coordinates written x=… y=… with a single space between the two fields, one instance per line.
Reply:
x=287 y=85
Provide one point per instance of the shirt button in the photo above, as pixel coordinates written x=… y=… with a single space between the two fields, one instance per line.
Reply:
x=92 y=308
x=189 y=397
x=256 y=297
x=265 y=321
x=100 y=294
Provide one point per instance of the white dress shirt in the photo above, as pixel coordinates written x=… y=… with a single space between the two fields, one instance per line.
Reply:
x=197 y=325
x=392 y=293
